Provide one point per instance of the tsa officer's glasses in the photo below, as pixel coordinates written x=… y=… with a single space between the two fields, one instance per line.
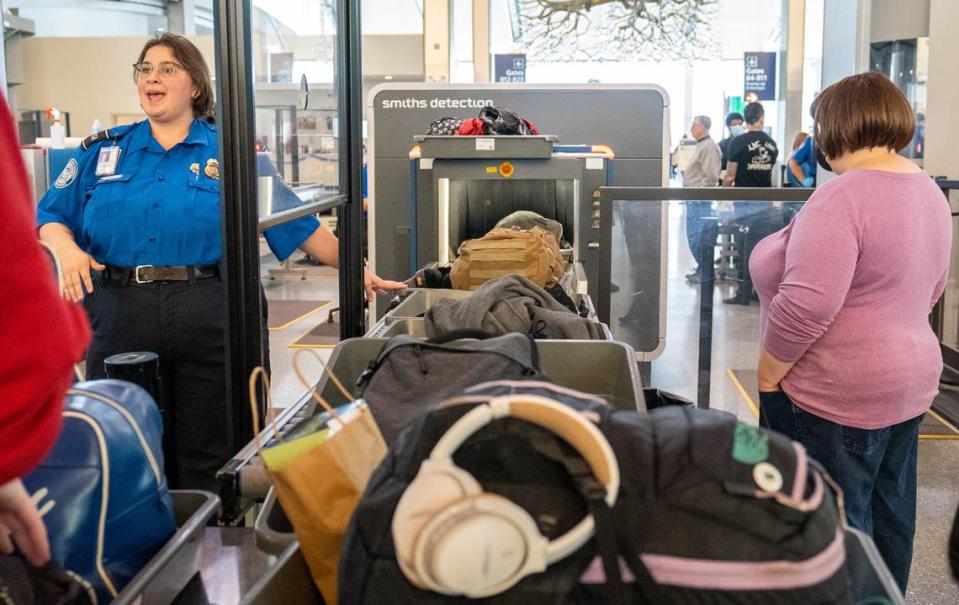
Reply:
x=165 y=70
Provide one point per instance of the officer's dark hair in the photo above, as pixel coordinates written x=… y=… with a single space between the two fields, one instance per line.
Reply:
x=733 y=117
x=753 y=113
x=189 y=56
x=863 y=111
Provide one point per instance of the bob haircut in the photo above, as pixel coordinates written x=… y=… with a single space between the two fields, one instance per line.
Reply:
x=863 y=111
x=193 y=63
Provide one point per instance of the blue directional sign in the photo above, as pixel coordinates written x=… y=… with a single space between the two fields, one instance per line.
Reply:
x=759 y=76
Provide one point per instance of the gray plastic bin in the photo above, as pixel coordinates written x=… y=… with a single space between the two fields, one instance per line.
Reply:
x=413 y=327
x=416 y=304
x=511 y=147
x=273 y=531
x=599 y=367
x=171 y=569
x=288 y=581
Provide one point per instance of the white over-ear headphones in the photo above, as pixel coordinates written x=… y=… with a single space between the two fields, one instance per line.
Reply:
x=452 y=538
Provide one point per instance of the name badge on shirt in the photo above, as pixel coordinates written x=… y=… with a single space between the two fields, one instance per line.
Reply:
x=107 y=160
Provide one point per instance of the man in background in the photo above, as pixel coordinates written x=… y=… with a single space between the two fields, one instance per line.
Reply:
x=701 y=171
x=752 y=157
x=734 y=122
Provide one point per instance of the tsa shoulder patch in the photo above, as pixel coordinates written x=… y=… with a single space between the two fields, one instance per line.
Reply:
x=68 y=175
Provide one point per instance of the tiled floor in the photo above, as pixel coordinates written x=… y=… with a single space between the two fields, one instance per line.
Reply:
x=735 y=338
x=286 y=388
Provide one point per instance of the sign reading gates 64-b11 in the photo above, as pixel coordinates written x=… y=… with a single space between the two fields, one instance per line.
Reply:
x=509 y=68
x=759 y=76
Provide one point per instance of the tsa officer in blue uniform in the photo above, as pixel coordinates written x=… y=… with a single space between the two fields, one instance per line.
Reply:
x=135 y=218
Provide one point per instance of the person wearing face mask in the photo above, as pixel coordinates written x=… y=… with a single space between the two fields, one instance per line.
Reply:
x=848 y=362
x=734 y=122
x=135 y=219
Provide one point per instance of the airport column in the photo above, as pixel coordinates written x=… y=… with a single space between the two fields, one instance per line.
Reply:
x=181 y=17
x=436 y=40
x=942 y=129
x=942 y=90
x=481 y=55
x=845 y=40
x=792 y=68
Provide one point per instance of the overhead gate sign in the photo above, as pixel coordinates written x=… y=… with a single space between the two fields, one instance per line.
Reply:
x=759 y=76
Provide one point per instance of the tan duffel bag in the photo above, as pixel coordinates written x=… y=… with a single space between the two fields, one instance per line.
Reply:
x=532 y=253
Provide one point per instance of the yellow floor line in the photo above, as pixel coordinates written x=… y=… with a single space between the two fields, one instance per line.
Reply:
x=296 y=346
x=939 y=417
x=755 y=410
x=742 y=391
x=304 y=316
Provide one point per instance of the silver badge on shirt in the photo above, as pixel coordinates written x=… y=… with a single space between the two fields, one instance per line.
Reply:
x=107 y=160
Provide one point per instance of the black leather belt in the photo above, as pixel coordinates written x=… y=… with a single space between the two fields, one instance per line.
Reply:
x=146 y=274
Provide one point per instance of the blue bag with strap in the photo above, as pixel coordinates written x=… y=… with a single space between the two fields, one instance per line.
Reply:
x=101 y=490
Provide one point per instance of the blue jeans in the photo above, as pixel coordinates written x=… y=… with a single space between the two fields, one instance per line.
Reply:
x=695 y=212
x=875 y=468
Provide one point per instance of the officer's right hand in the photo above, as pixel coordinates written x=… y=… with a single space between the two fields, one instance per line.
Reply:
x=76 y=265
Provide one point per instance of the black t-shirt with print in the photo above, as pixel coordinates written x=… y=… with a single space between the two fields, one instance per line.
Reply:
x=755 y=155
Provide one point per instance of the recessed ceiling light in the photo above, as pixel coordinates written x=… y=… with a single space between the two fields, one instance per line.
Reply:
x=387 y=77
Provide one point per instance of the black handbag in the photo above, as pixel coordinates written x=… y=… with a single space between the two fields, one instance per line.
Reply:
x=499 y=120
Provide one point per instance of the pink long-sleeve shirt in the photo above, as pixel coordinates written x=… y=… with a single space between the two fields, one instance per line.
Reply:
x=846 y=290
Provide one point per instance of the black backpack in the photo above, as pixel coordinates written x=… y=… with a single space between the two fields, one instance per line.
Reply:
x=691 y=524
x=410 y=373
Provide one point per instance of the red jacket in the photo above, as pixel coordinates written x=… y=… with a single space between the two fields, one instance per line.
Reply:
x=41 y=335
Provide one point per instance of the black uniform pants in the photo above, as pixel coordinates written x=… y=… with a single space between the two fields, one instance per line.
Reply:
x=183 y=323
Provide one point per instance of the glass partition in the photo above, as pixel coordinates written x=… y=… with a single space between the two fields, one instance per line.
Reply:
x=675 y=284
x=704 y=348
x=295 y=99
x=948 y=315
x=295 y=88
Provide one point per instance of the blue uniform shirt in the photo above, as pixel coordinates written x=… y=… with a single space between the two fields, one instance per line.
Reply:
x=805 y=157
x=160 y=207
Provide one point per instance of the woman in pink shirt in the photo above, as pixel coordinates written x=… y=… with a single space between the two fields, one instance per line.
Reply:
x=849 y=363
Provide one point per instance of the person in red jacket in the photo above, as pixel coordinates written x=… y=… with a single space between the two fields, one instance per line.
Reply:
x=41 y=337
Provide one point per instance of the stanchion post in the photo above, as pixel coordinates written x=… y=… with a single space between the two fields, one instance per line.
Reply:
x=708 y=235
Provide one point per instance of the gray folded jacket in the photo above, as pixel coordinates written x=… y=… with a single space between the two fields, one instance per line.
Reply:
x=511 y=303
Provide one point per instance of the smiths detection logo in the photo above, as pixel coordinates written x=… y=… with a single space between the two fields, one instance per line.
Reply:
x=436 y=103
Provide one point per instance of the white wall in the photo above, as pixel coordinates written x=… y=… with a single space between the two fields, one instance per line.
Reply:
x=942 y=89
x=841 y=42
x=89 y=19
x=899 y=20
x=89 y=77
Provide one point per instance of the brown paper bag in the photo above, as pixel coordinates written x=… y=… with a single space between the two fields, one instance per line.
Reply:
x=320 y=488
